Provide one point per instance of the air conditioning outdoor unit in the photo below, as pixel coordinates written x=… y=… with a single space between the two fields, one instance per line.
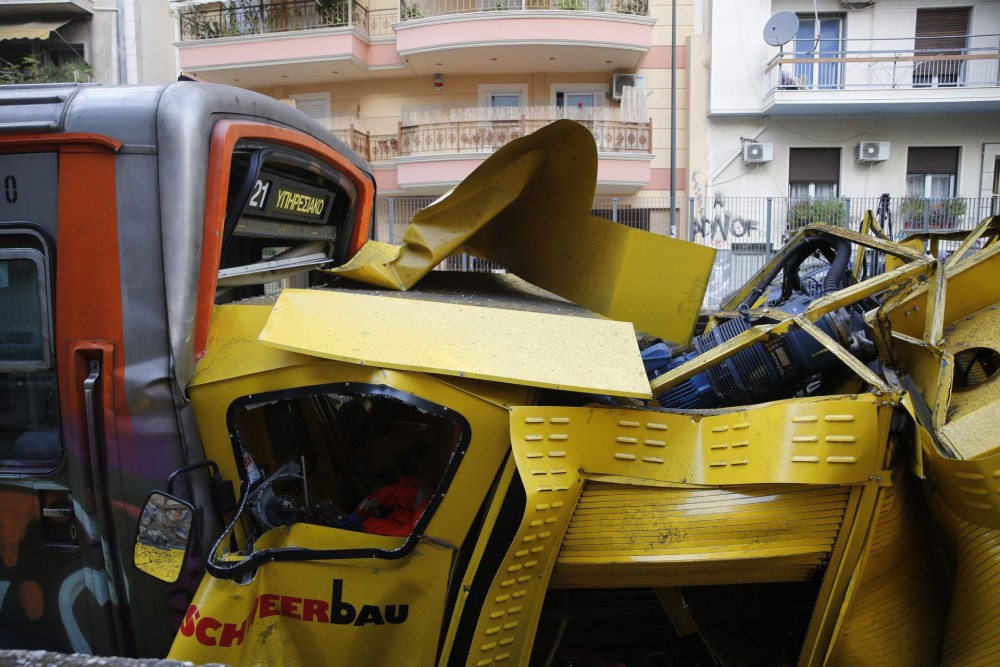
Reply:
x=873 y=151
x=619 y=81
x=754 y=152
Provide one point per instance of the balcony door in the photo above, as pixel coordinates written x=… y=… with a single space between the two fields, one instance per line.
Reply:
x=941 y=35
x=819 y=39
x=930 y=203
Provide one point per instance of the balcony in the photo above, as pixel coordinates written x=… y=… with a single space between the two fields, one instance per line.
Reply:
x=432 y=151
x=514 y=36
x=307 y=41
x=886 y=76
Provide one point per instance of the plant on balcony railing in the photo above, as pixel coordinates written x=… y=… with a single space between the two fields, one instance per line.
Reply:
x=409 y=10
x=923 y=213
x=808 y=211
x=634 y=7
x=242 y=17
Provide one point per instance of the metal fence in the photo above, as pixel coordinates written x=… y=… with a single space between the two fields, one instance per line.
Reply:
x=745 y=231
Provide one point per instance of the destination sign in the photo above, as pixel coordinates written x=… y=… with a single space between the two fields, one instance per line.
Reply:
x=276 y=197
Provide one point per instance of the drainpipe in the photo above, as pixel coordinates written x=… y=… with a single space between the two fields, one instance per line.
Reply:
x=673 y=116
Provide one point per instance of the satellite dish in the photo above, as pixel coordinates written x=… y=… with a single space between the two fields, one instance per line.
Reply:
x=781 y=28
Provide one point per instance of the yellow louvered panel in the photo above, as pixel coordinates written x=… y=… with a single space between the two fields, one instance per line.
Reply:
x=896 y=612
x=644 y=536
x=972 y=635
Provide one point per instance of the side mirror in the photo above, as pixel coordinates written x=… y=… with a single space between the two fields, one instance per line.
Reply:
x=163 y=537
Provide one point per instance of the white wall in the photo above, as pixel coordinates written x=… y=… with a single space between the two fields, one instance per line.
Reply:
x=737 y=85
x=734 y=178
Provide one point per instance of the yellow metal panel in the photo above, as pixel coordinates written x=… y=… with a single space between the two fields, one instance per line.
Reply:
x=233 y=350
x=644 y=536
x=833 y=440
x=507 y=622
x=291 y=613
x=528 y=208
x=896 y=611
x=972 y=634
x=535 y=349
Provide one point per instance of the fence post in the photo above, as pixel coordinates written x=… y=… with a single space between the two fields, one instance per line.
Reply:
x=391 y=204
x=614 y=209
x=847 y=214
x=690 y=220
x=768 y=226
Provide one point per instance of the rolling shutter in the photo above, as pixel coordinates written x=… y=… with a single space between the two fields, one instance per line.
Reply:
x=814 y=165
x=922 y=160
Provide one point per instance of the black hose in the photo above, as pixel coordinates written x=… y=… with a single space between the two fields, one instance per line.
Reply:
x=795 y=257
x=835 y=274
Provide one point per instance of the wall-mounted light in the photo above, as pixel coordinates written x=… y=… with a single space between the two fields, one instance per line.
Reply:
x=438 y=82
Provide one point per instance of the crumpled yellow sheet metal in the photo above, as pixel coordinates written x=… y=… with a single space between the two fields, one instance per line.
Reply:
x=528 y=209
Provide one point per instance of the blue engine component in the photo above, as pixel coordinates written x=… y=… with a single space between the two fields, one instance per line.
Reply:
x=765 y=371
x=781 y=365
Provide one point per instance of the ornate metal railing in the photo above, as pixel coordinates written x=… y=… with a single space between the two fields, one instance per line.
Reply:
x=255 y=17
x=415 y=9
x=874 y=64
x=483 y=136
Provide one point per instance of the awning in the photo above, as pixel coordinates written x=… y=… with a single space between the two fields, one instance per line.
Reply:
x=29 y=29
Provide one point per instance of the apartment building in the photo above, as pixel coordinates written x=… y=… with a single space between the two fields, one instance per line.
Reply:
x=803 y=111
x=427 y=89
x=103 y=41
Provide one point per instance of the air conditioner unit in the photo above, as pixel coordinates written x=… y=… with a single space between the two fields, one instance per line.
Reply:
x=619 y=81
x=754 y=153
x=873 y=151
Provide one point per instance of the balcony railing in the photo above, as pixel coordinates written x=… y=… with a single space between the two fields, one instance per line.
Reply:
x=479 y=129
x=881 y=64
x=253 y=17
x=484 y=130
x=256 y=17
x=415 y=9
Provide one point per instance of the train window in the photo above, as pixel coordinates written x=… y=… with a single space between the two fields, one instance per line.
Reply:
x=29 y=429
x=369 y=460
x=287 y=213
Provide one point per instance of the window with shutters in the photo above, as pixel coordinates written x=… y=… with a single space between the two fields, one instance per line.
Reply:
x=819 y=39
x=813 y=172
x=314 y=105
x=503 y=95
x=578 y=95
x=813 y=187
x=942 y=37
x=931 y=174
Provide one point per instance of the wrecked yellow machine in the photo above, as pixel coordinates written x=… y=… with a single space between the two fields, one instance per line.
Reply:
x=455 y=469
x=364 y=461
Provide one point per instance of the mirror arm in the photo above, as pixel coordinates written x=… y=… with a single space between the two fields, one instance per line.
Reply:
x=223 y=496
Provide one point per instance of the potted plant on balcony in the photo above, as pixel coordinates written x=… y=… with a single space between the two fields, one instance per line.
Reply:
x=409 y=10
x=333 y=12
x=806 y=211
x=923 y=213
x=634 y=7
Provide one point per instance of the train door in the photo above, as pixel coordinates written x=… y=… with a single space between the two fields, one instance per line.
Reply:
x=59 y=585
